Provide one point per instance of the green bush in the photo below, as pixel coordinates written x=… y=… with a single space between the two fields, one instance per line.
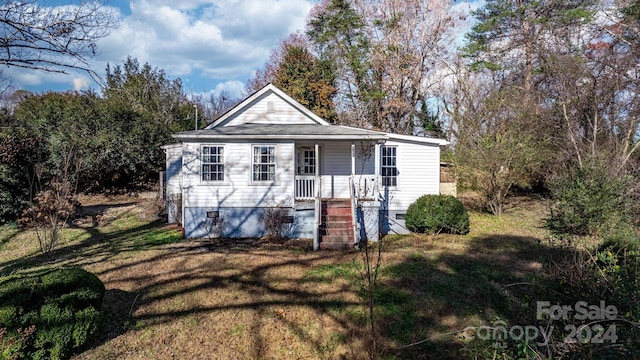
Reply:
x=607 y=275
x=589 y=201
x=50 y=315
x=437 y=213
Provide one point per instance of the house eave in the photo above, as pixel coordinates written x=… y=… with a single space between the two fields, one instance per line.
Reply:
x=418 y=139
x=408 y=138
x=200 y=137
x=171 y=146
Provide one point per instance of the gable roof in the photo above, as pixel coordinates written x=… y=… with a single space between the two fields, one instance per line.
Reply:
x=266 y=89
x=313 y=128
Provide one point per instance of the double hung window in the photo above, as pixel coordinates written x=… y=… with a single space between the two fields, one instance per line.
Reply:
x=212 y=163
x=264 y=163
x=389 y=166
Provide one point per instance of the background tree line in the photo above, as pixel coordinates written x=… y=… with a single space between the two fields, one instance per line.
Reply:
x=537 y=93
x=546 y=94
x=540 y=93
x=97 y=142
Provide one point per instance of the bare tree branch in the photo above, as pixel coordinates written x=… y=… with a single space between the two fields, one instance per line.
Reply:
x=52 y=39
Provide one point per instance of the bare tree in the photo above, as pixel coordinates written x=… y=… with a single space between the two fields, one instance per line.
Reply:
x=55 y=205
x=215 y=105
x=53 y=39
x=590 y=92
x=496 y=146
x=551 y=83
x=388 y=55
x=411 y=45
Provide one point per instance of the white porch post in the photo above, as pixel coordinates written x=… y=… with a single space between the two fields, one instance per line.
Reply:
x=317 y=169
x=376 y=161
x=353 y=159
x=353 y=192
x=318 y=203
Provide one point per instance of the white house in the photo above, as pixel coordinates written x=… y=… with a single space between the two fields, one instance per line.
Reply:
x=270 y=151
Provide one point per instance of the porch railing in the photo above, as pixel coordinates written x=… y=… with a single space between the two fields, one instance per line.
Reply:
x=366 y=187
x=305 y=187
x=354 y=210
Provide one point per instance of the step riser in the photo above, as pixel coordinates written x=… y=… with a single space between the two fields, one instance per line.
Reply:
x=337 y=212
x=337 y=227
x=336 y=246
x=335 y=218
x=336 y=204
x=341 y=232
x=336 y=239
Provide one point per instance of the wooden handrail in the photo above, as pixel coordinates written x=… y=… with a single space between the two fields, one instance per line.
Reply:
x=353 y=192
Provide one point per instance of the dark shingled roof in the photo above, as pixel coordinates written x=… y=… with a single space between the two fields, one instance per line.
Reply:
x=280 y=131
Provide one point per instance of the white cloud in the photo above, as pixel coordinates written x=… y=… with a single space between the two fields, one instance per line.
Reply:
x=219 y=40
x=465 y=8
x=204 y=42
x=210 y=44
x=234 y=87
x=24 y=76
x=81 y=83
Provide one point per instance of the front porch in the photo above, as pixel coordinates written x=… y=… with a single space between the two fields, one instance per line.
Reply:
x=335 y=187
x=330 y=169
x=332 y=181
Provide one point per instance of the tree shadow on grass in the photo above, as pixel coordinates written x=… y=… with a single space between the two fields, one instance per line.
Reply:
x=117 y=308
x=427 y=301
x=420 y=298
x=7 y=233
x=99 y=245
x=496 y=280
x=423 y=301
x=267 y=298
x=96 y=248
x=160 y=273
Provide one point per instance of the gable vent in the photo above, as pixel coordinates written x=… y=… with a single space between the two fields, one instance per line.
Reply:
x=271 y=107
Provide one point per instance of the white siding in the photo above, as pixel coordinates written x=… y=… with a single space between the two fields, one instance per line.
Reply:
x=257 y=113
x=174 y=165
x=174 y=180
x=238 y=190
x=418 y=174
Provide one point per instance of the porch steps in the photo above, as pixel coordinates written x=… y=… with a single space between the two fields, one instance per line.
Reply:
x=336 y=229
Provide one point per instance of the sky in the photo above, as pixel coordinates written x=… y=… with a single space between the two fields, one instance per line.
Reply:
x=212 y=45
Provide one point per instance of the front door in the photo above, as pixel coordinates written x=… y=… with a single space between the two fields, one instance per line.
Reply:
x=305 y=173
x=306 y=161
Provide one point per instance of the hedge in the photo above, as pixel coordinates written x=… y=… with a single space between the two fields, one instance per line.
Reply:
x=48 y=315
x=437 y=213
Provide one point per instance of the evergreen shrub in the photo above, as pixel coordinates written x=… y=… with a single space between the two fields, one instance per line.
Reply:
x=437 y=213
x=49 y=315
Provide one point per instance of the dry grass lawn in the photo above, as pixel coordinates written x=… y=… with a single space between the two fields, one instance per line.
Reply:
x=169 y=298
